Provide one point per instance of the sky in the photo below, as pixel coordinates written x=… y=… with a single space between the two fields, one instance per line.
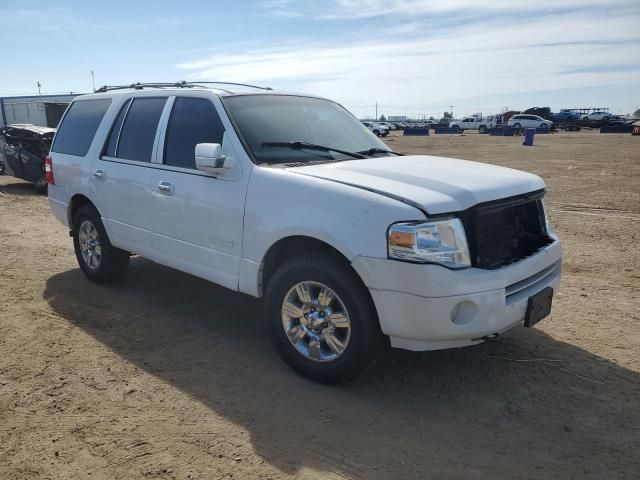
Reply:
x=409 y=57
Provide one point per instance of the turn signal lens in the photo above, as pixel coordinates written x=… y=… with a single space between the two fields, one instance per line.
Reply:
x=402 y=239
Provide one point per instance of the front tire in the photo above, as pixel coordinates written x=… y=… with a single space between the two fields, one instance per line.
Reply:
x=100 y=261
x=321 y=318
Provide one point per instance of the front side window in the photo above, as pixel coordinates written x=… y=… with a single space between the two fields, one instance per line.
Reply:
x=192 y=121
x=139 y=129
x=79 y=126
x=265 y=119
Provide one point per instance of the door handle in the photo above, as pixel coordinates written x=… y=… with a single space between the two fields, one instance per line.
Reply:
x=165 y=187
x=99 y=174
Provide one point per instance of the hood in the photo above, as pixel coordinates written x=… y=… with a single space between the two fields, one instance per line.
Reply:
x=436 y=184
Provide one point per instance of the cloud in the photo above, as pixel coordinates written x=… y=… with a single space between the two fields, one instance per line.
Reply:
x=350 y=9
x=486 y=57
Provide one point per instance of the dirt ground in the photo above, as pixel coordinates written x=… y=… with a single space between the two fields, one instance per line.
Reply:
x=168 y=376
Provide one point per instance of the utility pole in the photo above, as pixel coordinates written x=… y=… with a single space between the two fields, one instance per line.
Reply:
x=451 y=110
x=376 y=111
x=39 y=85
x=93 y=80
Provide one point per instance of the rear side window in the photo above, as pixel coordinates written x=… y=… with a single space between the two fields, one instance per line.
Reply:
x=79 y=125
x=193 y=121
x=112 y=144
x=139 y=129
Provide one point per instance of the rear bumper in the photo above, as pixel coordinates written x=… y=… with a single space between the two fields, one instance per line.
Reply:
x=428 y=307
x=58 y=208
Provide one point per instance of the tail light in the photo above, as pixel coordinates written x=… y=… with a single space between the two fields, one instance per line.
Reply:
x=48 y=171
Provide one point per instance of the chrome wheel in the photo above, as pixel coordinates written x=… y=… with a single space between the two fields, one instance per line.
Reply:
x=89 y=241
x=316 y=321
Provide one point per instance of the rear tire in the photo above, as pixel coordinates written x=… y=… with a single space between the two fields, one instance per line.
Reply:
x=482 y=129
x=100 y=261
x=304 y=325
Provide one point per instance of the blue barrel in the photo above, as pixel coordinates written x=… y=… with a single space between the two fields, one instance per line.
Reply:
x=529 y=133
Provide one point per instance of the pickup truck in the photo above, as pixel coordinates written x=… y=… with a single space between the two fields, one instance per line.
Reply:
x=289 y=198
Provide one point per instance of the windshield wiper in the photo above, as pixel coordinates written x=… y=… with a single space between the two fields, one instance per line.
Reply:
x=374 y=150
x=312 y=146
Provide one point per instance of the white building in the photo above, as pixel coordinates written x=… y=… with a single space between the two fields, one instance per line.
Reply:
x=42 y=110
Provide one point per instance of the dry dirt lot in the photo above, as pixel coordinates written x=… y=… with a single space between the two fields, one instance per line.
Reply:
x=168 y=376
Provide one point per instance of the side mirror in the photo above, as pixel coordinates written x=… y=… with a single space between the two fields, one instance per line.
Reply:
x=210 y=159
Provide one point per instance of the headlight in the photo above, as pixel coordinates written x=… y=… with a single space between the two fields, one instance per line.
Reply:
x=442 y=241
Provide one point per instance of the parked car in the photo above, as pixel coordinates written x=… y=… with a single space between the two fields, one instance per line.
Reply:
x=23 y=149
x=565 y=116
x=480 y=123
x=377 y=128
x=595 y=116
x=288 y=198
x=529 y=121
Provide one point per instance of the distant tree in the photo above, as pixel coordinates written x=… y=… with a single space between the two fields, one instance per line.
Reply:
x=431 y=118
x=447 y=115
x=383 y=118
x=637 y=113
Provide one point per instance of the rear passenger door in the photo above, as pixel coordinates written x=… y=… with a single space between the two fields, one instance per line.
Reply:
x=121 y=175
x=197 y=218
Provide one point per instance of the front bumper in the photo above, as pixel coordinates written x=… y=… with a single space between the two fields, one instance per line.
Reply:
x=429 y=307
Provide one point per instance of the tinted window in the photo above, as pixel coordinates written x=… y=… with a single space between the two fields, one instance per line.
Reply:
x=193 y=121
x=79 y=126
x=139 y=129
x=110 y=149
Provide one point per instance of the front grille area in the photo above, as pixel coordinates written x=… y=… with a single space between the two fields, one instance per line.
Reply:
x=505 y=231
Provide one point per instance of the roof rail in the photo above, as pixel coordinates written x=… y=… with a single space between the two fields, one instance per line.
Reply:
x=180 y=84
x=228 y=83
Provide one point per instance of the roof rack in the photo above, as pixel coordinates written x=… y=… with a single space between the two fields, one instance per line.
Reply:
x=180 y=84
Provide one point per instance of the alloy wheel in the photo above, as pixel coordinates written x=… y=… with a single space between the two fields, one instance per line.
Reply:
x=90 y=247
x=316 y=321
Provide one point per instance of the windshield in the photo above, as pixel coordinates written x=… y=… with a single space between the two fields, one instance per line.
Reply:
x=267 y=119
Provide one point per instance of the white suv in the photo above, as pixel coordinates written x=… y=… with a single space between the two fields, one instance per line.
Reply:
x=529 y=121
x=598 y=115
x=379 y=129
x=289 y=198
